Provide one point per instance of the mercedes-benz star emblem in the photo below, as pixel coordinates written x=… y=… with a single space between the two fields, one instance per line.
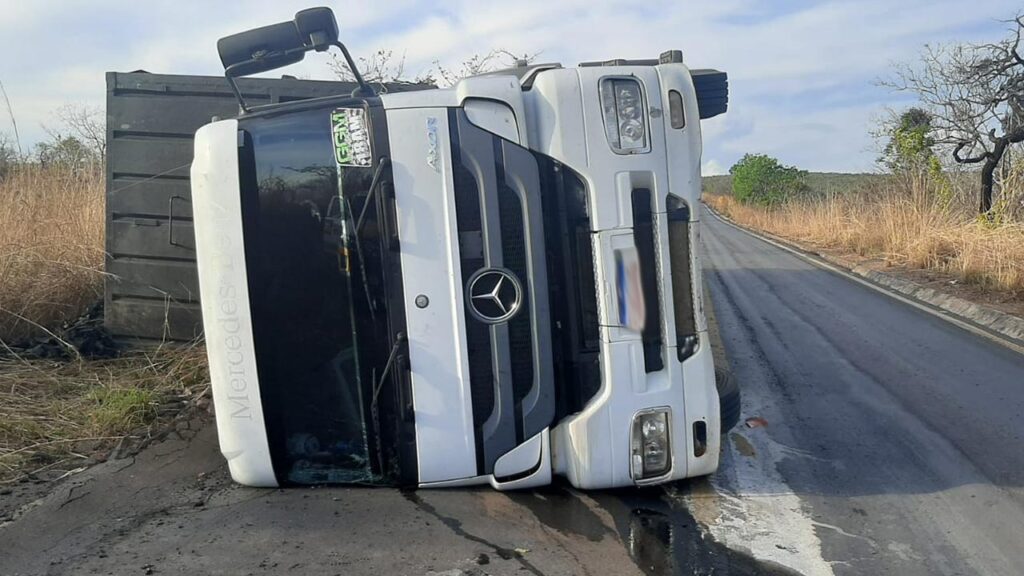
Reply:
x=495 y=295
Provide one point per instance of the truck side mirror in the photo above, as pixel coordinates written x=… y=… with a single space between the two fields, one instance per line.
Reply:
x=261 y=49
x=317 y=28
x=277 y=45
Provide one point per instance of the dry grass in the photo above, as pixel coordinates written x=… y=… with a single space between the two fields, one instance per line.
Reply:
x=57 y=416
x=904 y=229
x=51 y=247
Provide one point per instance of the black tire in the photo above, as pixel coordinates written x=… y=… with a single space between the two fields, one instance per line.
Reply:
x=728 y=399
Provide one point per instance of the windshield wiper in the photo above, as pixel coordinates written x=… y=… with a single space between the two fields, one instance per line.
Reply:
x=383 y=163
x=374 y=183
x=378 y=383
x=399 y=340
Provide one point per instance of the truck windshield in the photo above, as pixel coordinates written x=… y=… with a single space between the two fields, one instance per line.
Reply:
x=316 y=348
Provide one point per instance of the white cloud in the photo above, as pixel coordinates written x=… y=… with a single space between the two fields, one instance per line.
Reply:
x=713 y=168
x=801 y=72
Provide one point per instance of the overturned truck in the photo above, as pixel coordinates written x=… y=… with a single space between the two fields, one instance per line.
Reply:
x=492 y=283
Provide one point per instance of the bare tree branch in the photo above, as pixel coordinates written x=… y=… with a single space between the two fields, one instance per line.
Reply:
x=88 y=124
x=84 y=124
x=968 y=160
x=480 y=64
x=384 y=67
x=380 y=69
x=975 y=94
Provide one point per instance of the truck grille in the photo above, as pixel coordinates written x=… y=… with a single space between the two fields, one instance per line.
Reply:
x=571 y=283
x=520 y=338
x=478 y=336
x=500 y=224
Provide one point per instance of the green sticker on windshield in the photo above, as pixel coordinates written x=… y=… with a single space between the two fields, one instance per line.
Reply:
x=351 y=137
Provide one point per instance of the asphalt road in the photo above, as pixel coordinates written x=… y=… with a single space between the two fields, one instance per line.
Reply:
x=894 y=441
x=891 y=444
x=172 y=509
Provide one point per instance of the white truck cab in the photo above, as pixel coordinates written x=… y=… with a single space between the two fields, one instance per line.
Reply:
x=488 y=284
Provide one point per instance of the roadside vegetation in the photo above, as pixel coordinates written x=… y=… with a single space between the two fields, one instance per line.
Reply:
x=881 y=219
x=51 y=246
x=61 y=407
x=58 y=416
x=949 y=194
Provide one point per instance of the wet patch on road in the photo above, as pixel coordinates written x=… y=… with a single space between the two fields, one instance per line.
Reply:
x=655 y=526
x=565 y=511
x=743 y=446
x=662 y=537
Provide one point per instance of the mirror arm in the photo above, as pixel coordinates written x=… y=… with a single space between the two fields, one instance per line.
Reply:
x=364 y=89
x=229 y=75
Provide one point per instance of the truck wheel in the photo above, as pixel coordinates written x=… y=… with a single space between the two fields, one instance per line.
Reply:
x=728 y=398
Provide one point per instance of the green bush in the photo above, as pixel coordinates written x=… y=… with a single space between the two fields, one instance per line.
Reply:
x=761 y=179
x=911 y=144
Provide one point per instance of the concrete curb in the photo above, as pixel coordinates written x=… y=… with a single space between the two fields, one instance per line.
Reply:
x=1000 y=324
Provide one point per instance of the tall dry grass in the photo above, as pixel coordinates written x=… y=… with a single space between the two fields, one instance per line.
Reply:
x=58 y=415
x=51 y=247
x=901 y=223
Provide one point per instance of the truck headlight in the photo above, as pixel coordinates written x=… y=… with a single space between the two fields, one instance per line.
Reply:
x=651 y=448
x=625 y=122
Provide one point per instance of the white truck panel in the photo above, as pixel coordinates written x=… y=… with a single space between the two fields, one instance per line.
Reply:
x=224 y=292
x=425 y=200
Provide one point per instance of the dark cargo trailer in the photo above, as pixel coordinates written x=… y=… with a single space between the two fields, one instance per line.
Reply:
x=151 y=290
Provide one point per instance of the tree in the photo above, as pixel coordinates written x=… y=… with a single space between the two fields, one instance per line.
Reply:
x=67 y=152
x=384 y=67
x=479 y=64
x=909 y=154
x=86 y=125
x=975 y=96
x=8 y=155
x=761 y=179
x=910 y=141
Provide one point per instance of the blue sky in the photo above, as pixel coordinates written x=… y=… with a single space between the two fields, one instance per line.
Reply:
x=802 y=72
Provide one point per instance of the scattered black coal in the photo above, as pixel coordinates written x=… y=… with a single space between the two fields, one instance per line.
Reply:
x=85 y=335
